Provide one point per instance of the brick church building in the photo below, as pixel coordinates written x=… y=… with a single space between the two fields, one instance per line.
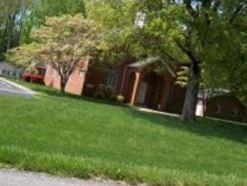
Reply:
x=140 y=85
x=137 y=82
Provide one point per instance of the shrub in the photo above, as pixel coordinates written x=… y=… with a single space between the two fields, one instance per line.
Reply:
x=120 y=98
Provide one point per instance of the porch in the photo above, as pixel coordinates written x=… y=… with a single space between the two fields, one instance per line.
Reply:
x=147 y=89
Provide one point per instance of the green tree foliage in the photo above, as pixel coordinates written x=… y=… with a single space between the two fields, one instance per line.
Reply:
x=64 y=42
x=229 y=68
x=117 y=18
x=24 y=55
x=12 y=16
x=40 y=9
x=208 y=35
x=18 y=17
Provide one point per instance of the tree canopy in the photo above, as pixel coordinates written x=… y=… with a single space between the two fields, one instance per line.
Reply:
x=39 y=10
x=18 y=17
x=12 y=16
x=208 y=35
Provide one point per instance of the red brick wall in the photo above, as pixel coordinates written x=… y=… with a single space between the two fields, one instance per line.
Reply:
x=91 y=78
x=168 y=82
x=227 y=104
x=94 y=78
x=176 y=99
x=75 y=83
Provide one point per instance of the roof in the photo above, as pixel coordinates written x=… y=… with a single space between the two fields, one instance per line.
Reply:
x=144 y=63
x=211 y=93
x=218 y=93
x=6 y=66
x=149 y=61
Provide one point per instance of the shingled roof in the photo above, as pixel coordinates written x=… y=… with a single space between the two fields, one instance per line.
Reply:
x=140 y=65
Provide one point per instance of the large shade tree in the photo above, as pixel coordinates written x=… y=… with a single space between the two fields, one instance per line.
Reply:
x=209 y=36
x=12 y=16
x=64 y=42
x=40 y=9
x=116 y=18
x=18 y=17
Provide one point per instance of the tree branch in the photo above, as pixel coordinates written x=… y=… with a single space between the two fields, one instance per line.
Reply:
x=171 y=57
x=187 y=51
x=190 y=8
x=206 y=8
x=206 y=4
x=240 y=6
x=216 y=5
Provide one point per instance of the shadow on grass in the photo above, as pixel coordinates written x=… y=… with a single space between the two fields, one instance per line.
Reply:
x=203 y=127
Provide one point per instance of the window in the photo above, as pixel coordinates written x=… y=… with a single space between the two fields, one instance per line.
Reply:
x=217 y=108
x=112 y=79
x=14 y=73
x=8 y=73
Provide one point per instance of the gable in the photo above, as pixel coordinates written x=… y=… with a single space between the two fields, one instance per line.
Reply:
x=148 y=62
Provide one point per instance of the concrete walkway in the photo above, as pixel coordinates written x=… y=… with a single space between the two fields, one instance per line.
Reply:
x=178 y=116
x=18 y=178
x=157 y=112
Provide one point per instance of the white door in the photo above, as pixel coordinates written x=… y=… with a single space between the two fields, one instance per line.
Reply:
x=142 y=93
x=199 y=109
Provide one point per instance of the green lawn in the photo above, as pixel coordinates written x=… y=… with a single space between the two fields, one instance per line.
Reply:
x=83 y=137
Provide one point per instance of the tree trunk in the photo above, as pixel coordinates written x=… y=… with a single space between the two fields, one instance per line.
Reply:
x=64 y=75
x=63 y=83
x=10 y=31
x=189 y=109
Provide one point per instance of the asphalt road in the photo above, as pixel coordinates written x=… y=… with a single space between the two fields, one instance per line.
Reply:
x=7 y=88
x=18 y=178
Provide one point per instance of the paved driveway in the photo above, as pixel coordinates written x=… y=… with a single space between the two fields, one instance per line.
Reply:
x=9 y=88
x=18 y=178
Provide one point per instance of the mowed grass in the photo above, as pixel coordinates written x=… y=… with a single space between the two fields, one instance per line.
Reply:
x=84 y=138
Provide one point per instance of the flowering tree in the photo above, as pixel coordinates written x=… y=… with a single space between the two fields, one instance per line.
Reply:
x=63 y=42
